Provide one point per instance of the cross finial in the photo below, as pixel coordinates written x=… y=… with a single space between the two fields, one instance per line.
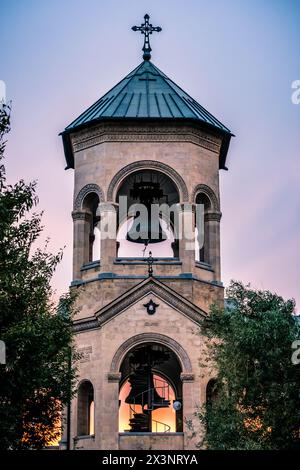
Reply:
x=146 y=29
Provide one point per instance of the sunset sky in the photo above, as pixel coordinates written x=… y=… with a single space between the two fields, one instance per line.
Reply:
x=237 y=58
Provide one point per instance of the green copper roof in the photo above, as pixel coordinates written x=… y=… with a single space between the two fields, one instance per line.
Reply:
x=146 y=93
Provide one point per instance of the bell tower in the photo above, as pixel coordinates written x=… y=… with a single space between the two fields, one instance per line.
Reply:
x=146 y=259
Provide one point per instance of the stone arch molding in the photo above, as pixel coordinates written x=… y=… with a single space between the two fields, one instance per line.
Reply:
x=151 y=338
x=87 y=189
x=204 y=189
x=81 y=381
x=149 y=165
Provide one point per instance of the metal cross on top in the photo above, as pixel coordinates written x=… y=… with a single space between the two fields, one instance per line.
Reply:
x=146 y=29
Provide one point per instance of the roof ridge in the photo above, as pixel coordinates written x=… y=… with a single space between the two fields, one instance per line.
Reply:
x=135 y=293
x=171 y=83
x=109 y=91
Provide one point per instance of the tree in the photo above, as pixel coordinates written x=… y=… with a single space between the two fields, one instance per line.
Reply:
x=255 y=401
x=36 y=381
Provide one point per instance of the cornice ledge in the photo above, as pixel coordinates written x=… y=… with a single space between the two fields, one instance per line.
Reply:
x=114 y=376
x=83 y=325
x=106 y=133
x=186 y=377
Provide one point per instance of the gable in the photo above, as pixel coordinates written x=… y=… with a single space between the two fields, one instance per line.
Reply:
x=150 y=286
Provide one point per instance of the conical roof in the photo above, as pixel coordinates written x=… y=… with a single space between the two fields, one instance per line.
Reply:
x=146 y=93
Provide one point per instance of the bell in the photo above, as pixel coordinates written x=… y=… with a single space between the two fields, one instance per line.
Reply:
x=141 y=232
x=147 y=192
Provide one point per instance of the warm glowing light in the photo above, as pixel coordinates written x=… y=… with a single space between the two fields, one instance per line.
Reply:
x=92 y=418
x=160 y=417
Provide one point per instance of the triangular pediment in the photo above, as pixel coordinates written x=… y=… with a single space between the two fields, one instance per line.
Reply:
x=127 y=299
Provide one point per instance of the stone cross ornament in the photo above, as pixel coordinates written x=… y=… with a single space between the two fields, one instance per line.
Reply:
x=151 y=307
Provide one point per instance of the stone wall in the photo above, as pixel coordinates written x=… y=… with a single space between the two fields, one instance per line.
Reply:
x=169 y=325
x=157 y=441
x=104 y=155
x=102 y=163
x=95 y=295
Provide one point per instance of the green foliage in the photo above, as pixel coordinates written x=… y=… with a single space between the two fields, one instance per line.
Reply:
x=256 y=404
x=37 y=379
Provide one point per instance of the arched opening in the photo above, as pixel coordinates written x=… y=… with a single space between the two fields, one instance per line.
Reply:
x=150 y=396
x=85 y=409
x=203 y=240
x=90 y=204
x=212 y=391
x=147 y=215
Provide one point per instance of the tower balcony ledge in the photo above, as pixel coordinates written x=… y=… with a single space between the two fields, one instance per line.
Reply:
x=143 y=261
x=202 y=265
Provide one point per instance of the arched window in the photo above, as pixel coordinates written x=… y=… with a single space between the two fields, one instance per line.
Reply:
x=90 y=204
x=212 y=390
x=202 y=246
x=152 y=199
x=85 y=409
x=150 y=384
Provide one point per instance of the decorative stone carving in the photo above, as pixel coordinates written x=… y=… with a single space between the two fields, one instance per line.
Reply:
x=151 y=165
x=151 y=307
x=151 y=286
x=193 y=312
x=204 y=189
x=214 y=216
x=85 y=325
x=114 y=376
x=88 y=188
x=187 y=377
x=151 y=338
x=85 y=353
x=148 y=133
x=80 y=215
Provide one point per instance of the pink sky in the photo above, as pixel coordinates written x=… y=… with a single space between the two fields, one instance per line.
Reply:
x=237 y=58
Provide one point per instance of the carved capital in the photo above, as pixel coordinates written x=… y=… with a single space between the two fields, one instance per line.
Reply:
x=187 y=377
x=114 y=376
x=80 y=215
x=213 y=216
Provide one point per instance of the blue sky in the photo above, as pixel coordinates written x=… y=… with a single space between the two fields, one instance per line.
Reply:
x=237 y=58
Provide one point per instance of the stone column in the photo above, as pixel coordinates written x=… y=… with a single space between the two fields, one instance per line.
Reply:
x=81 y=240
x=73 y=431
x=109 y=419
x=64 y=430
x=212 y=222
x=187 y=236
x=190 y=401
x=108 y=231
